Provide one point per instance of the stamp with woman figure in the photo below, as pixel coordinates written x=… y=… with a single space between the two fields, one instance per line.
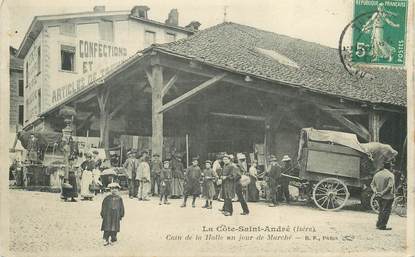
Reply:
x=379 y=32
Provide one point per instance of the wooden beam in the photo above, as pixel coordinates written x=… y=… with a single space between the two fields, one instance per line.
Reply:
x=149 y=76
x=351 y=125
x=119 y=107
x=374 y=126
x=156 y=104
x=238 y=116
x=169 y=85
x=186 y=96
x=270 y=87
x=383 y=119
x=86 y=121
x=346 y=111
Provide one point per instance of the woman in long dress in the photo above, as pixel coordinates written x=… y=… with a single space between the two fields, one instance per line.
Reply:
x=86 y=178
x=253 y=193
x=209 y=180
x=178 y=178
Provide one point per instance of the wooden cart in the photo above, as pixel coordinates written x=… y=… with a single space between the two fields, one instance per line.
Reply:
x=333 y=163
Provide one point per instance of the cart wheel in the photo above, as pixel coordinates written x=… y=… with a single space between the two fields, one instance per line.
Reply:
x=399 y=206
x=330 y=194
x=374 y=203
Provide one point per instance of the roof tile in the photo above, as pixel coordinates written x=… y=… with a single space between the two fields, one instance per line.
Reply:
x=231 y=45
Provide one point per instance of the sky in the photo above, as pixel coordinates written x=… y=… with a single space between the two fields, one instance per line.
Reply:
x=319 y=21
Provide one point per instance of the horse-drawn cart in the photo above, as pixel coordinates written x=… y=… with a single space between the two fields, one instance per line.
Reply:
x=334 y=164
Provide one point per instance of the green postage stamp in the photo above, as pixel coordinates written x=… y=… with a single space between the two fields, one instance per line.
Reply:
x=379 y=33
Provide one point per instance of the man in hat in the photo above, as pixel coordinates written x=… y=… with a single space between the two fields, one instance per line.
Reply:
x=383 y=186
x=155 y=170
x=112 y=211
x=130 y=166
x=165 y=182
x=143 y=175
x=284 y=180
x=192 y=182
x=274 y=174
x=229 y=175
x=242 y=169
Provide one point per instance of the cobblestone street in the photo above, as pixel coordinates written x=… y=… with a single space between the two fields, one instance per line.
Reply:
x=42 y=224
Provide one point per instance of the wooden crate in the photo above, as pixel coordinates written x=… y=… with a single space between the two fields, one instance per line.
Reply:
x=322 y=160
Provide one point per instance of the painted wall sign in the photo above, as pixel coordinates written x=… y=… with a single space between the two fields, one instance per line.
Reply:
x=96 y=59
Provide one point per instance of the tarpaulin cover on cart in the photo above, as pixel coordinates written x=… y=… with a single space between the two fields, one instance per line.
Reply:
x=379 y=153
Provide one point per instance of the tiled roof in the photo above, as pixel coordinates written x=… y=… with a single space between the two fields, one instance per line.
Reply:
x=248 y=50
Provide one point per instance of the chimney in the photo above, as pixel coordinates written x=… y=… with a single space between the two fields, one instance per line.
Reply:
x=99 y=8
x=140 y=11
x=173 y=18
x=194 y=25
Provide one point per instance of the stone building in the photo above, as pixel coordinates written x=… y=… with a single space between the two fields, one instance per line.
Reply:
x=235 y=88
x=65 y=53
x=16 y=92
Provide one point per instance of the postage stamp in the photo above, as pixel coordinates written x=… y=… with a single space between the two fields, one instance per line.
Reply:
x=379 y=32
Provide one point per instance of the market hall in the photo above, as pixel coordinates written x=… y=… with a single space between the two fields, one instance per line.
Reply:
x=233 y=88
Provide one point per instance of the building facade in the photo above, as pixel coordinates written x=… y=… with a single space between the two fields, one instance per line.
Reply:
x=16 y=92
x=63 y=54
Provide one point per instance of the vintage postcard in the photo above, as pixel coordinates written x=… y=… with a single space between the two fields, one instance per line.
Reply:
x=207 y=128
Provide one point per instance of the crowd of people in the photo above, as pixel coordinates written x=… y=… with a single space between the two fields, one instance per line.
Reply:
x=225 y=178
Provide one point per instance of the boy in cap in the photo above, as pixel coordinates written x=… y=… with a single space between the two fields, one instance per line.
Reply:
x=165 y=182
x=209 y=178
x=192 y=182
x=155 y=170
x=112 y=211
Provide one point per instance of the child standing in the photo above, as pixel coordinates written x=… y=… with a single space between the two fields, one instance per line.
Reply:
x=165 y=182
x=192 y=182
x=112 y=211
x=209 y=179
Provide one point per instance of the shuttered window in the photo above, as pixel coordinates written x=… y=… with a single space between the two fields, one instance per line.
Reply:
x=67 y=58
x=21 y=113
x=68 y=28
x=106 y=30
x=21 y=89
x=149 y=38
x=170 y=37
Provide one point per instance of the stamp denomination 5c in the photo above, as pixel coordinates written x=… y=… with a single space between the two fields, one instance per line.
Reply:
x=379 y=34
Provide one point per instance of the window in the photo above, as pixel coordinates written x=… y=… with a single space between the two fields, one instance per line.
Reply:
x=21 y=118
x=39 y=101
x=27 y=74
x=68 y=28
x=21 y=87
x=38 y=60
x=106 y=30
x=149 y=38
x=67 y=58
x=170 y=37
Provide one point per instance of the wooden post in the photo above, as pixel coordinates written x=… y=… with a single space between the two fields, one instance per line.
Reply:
x=157 y=103
x=104 y=119
x=203 y=130
x=374 y=126
x=267 y=139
